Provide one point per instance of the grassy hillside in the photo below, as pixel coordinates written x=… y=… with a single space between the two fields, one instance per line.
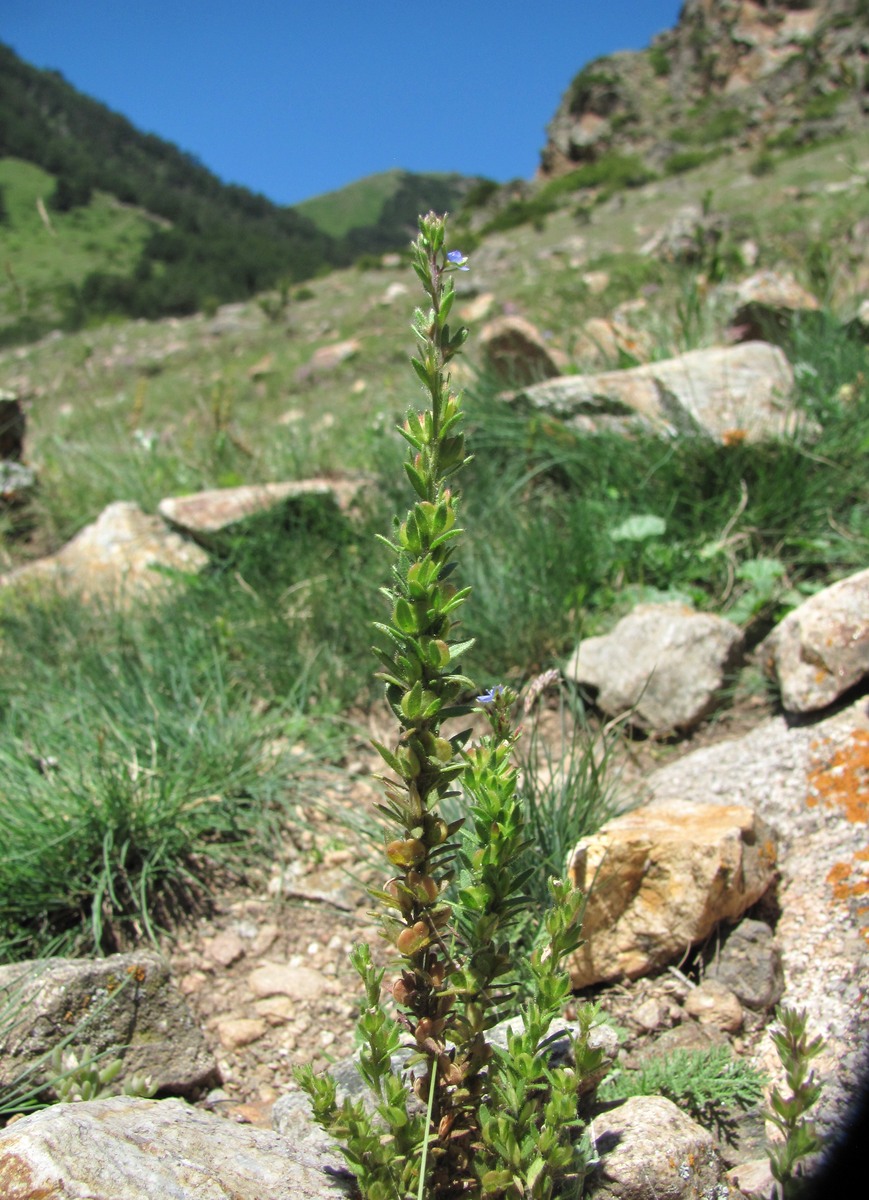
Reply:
x=387 y=203
x=46 y=259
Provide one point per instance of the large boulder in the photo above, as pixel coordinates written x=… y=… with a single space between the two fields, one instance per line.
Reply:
x=123 y=556
x=125 y=1006
x=211 y=515
x=131 y=1149
x=731 y=393
x=660 y=879
x=665 y=664
x=821 y=648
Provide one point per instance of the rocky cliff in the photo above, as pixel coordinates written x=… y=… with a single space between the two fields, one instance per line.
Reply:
x=764 y=73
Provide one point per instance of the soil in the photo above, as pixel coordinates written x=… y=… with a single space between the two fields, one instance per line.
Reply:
x=301 y=917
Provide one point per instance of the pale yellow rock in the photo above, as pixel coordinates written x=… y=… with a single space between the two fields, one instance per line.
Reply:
x=660 y=879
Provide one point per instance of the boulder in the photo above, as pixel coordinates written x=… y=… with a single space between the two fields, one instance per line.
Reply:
x=123 y=556
x=767 y=304
x=649 y=1148
x=516 y=352
x=821 y=648
x=665 y=664
x=208 y=516
x=660 y=879
x=144 y=1149
x=125 y=1006
x=733 y=393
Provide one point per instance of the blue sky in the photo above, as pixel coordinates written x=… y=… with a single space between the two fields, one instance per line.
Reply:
x=293 y=99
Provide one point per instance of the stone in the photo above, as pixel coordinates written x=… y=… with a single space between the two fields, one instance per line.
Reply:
x=225 y=949
x=235 y=1032
x=664 y=664
x=732 y=393
x=660 y=879
x=477 y=309
x=754 y=1179
x=125 y=555
x=648 y=1148
x=143 y=1149
x=749 y=963
x=711 y=1003
x=210 y=515
x=125 y=1006
x=821 y=648
x=516 y=352
x=767 y=304
x=327 y=358
x=299 y=983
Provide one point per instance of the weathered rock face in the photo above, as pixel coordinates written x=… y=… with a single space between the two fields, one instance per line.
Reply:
x=731 y=73
x=663 y=663
x=145 y=1149
x=126 y=1005
x=660 y=879
x=821 y=648
x=649 y=1148
x=117 y=558
x=728 y=393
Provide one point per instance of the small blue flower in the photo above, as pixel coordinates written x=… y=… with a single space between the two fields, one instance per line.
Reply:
x=492 y=695
x=458 y=260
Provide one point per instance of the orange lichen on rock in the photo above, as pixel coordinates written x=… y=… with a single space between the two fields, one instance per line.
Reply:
x=842 y=779
x=849 y=881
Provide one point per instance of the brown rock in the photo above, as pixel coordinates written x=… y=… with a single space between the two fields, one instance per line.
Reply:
x=659 y=880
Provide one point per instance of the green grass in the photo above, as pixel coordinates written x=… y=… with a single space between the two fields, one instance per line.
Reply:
x=39 y=264
x=359 y=203
x=115 y=730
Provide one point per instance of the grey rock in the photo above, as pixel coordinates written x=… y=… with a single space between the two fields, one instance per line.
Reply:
x=750 y=963
x=665 y=664
x=821 y=648
x=124 y=1006
x=210 y=516
x=727 y=393
x=143 y=1149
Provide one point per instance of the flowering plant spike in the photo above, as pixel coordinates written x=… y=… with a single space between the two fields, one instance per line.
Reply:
x=441 y=1129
